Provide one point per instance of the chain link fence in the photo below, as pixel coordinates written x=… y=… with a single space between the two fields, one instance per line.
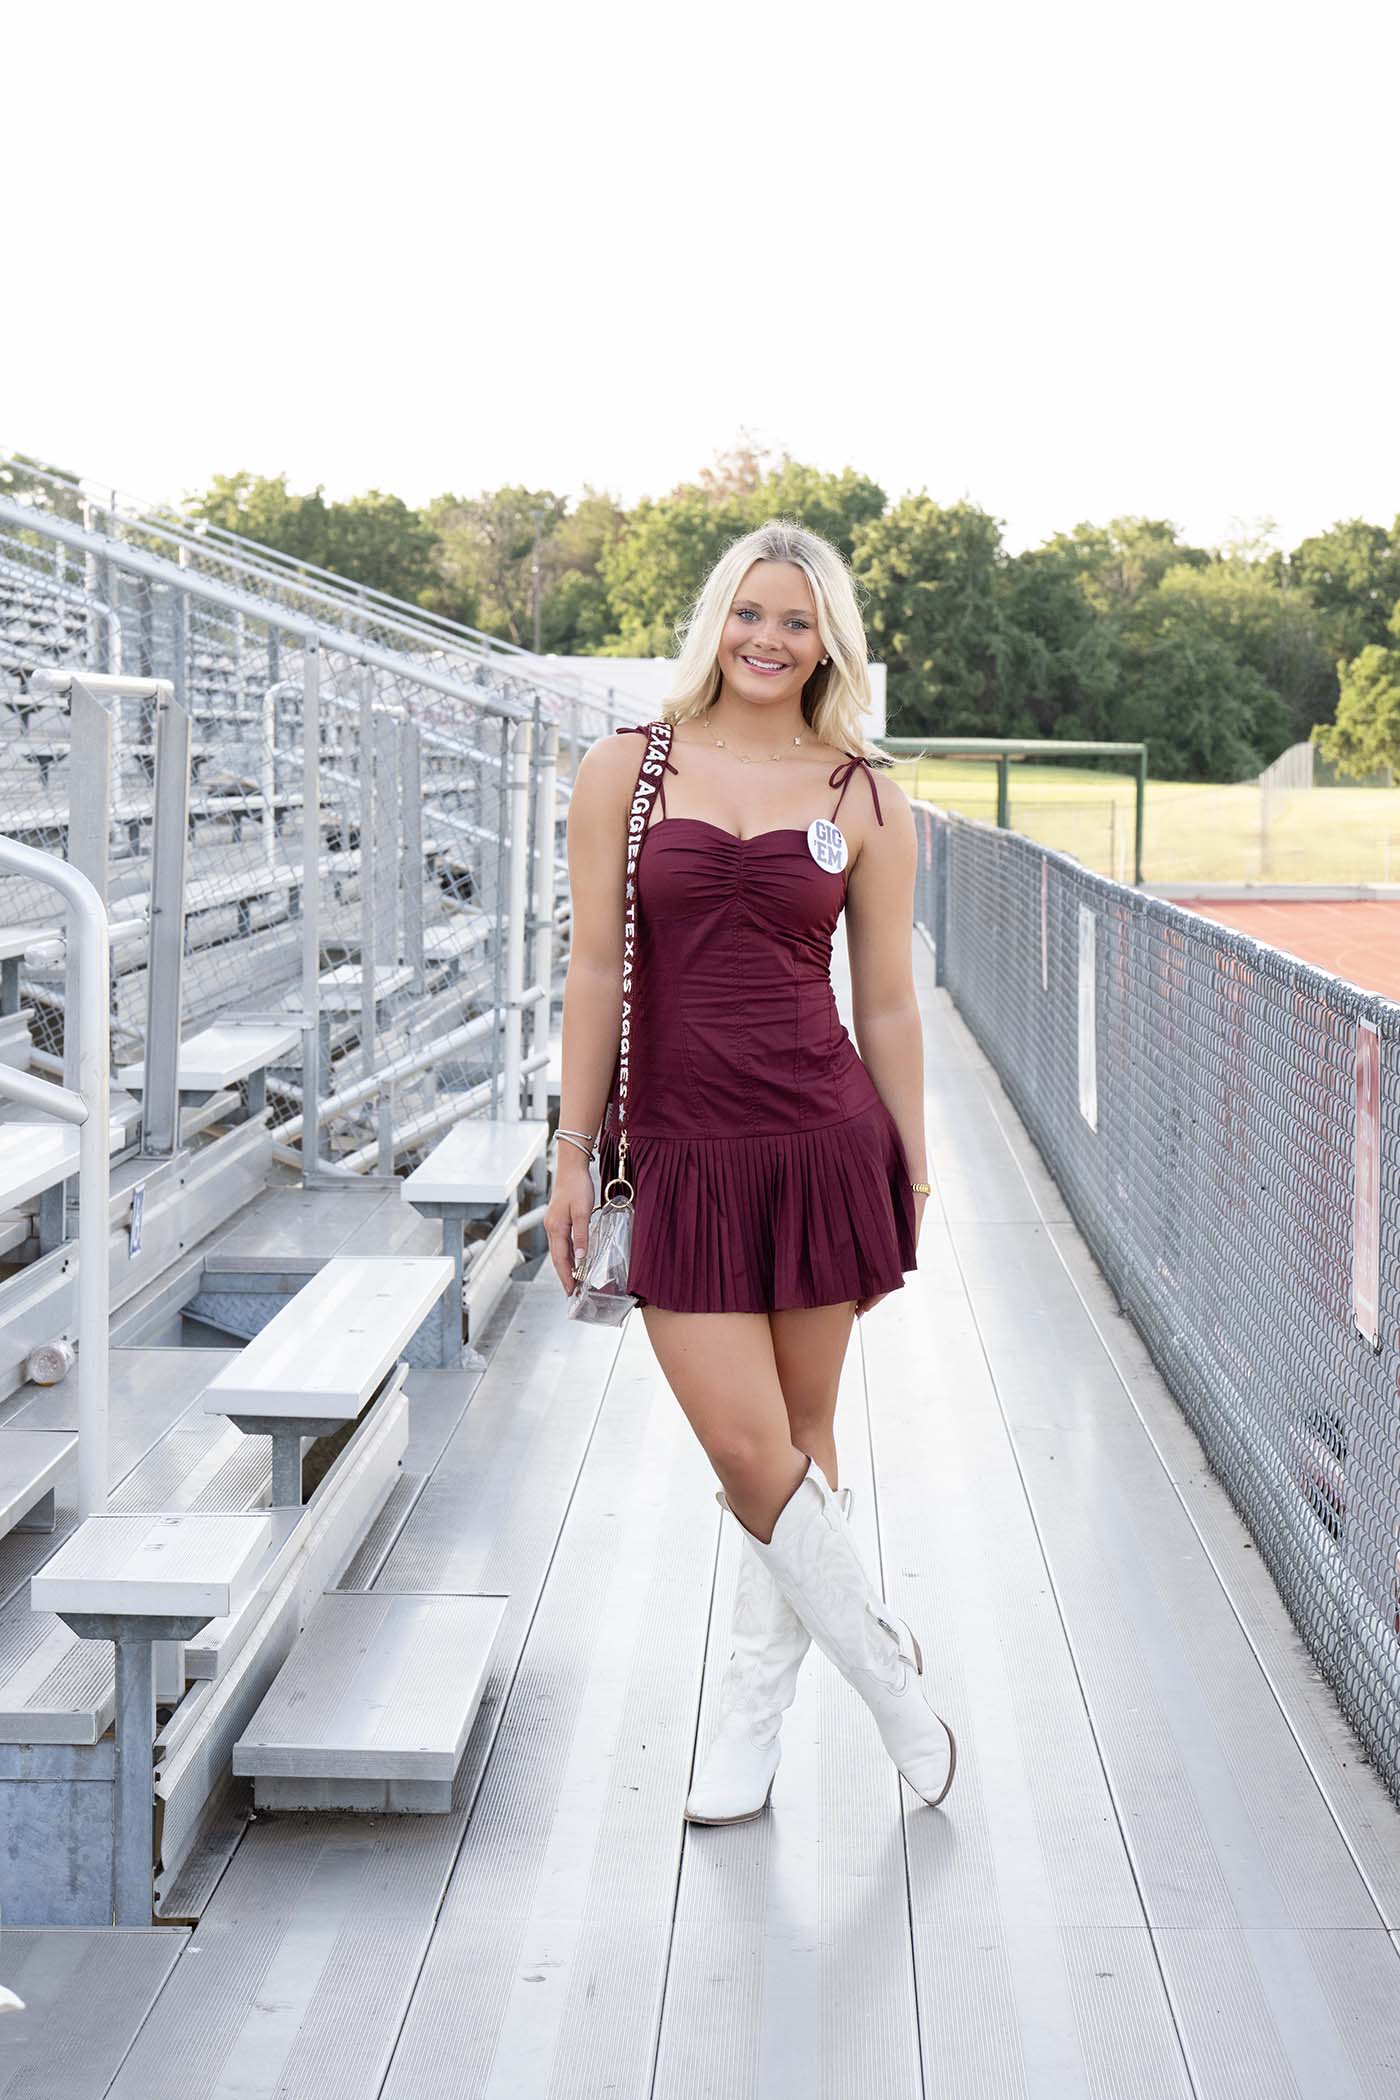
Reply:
x=1200 y=1101
x=413 y=876
x=500 y=673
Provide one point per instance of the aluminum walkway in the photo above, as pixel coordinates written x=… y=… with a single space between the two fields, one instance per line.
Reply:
x=1162 y=1870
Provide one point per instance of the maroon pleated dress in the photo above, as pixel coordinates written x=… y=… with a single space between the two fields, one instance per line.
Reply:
x=767 y=1170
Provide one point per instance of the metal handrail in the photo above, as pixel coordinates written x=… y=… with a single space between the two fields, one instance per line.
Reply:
x=90 y=1108
x=270 y=565
x=159 y=569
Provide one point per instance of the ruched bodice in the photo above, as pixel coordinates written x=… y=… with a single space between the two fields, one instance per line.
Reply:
x=738 y=1027
x=767 y=1169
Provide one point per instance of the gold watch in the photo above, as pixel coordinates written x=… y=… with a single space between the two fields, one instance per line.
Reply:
x=921 y=1188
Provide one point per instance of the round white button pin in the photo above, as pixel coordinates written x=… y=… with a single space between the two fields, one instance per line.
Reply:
x=826 y=844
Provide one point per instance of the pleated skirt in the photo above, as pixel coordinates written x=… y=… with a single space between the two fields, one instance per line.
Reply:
x=761 y=1223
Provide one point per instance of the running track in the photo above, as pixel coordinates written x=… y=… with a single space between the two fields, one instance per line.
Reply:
x=1356 y=938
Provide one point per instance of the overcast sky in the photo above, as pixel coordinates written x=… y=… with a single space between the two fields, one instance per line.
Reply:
x=1067 y=260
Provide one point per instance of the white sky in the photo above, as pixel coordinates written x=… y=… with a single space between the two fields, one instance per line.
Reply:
x=1068 y=259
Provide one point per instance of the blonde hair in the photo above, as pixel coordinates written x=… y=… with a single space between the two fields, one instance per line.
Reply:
x=837 y=695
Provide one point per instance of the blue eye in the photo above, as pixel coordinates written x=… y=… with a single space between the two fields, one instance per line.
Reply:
x=746 y=612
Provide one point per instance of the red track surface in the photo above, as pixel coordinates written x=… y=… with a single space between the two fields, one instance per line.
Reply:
x=1356 y=938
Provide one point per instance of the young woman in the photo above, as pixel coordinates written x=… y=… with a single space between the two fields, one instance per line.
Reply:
x=779 y=1174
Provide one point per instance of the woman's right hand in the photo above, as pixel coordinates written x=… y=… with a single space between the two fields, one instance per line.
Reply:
x=571 y=1202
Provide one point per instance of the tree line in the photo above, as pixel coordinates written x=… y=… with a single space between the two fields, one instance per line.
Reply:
x=1219 y=657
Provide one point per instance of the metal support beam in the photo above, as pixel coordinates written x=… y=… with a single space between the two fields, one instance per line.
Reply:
x=133 y=1793
x=287 y=1432
x=367 y=870
x=517 y=905
x=315 y=1075
x=411 y=865
x=160 y=1094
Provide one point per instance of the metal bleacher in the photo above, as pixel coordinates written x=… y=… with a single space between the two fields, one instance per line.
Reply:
x=279 y=906
x=444 y=1612
x=1169 y=1871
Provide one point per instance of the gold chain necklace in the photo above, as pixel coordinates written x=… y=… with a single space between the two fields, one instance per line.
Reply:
x=743 y=756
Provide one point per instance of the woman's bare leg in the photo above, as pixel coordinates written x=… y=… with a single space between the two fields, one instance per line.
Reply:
x=809 y=1346
x=722 y=1369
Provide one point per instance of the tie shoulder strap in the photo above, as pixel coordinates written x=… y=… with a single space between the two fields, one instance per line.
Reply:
x=840 y=776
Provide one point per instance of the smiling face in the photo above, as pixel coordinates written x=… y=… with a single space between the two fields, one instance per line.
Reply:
x=770 y=645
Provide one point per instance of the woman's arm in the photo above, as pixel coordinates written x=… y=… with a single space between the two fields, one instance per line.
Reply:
x=880 y=935
x=592 y=1022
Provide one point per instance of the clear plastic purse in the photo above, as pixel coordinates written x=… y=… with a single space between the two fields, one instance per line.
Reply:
x=600 y=1291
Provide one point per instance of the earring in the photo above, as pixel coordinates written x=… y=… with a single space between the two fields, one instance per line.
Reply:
x=826 y=659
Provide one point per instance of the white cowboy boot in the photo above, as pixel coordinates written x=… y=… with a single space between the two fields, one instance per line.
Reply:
x=768 y=1643
x=812 y=1558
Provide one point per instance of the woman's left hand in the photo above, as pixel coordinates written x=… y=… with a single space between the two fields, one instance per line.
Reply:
x=863 y=1305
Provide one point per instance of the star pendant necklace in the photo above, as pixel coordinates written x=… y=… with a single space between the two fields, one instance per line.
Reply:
x=743 y=756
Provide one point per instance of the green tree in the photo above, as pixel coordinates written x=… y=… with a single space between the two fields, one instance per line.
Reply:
x=374 y=539
x=1067 y=664
x=1206 y=712
x=1366 y=733
x=1352 y=573
x=838 y=506
x=25 y=479
x=936 y=616
x=486 y=556
x=577 y=615
x=1278 y=633
x=656 y=564
x=1117 y=562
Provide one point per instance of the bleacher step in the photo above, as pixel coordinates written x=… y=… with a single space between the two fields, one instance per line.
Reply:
x=35 y=1156
x=220 y=1055
x=326 y=1351
x=482 y=1159
x=179 y=1563
x=373 y=1707
x=30 y=1462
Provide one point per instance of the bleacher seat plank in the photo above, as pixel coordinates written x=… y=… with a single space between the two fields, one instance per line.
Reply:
x=341 y=987
x=188 y=1562
x=336 y=1518
x=15 y=939
x=30 y=1462
x=457 y=938
x=481 y=1160
x=35 y=1155
x=380 y=1687
x=218 y=1056
x=327 y=1350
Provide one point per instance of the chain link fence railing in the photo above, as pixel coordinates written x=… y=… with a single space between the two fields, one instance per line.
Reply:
x=324 y=774
x=1223 y=1123
x=502 y=673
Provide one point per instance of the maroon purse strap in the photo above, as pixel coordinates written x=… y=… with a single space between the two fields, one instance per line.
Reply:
x=649 y=776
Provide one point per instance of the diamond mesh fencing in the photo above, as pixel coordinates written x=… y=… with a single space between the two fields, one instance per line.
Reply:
x=411 y=890
x=500 y=673
x=1196 y=1096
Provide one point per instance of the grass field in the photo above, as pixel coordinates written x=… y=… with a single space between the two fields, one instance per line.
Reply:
x=1190 y=833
